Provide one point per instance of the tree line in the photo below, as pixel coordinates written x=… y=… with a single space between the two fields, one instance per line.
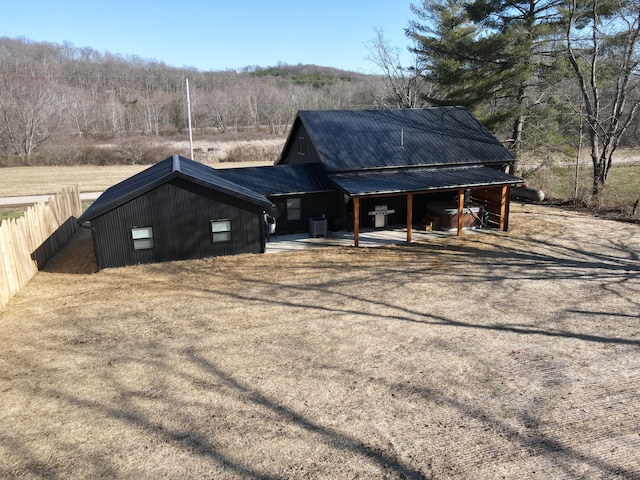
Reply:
x=52 y=93
x=543 y=74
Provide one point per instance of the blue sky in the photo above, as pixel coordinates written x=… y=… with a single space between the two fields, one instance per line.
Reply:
x=216 y=34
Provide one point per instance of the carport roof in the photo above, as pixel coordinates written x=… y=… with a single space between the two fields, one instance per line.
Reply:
x=419 y=179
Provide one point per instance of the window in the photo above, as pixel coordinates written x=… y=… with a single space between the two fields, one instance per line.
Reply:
x=221 y=230
x=302 y=149
x=142 y=238
x=293 y=209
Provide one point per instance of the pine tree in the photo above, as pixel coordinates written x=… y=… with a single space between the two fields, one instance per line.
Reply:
x=494 y=57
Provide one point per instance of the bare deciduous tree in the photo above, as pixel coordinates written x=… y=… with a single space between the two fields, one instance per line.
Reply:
x=30 y=110
x=603 y=44
x=406 y=83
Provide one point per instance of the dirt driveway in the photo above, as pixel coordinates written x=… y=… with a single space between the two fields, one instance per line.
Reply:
x=492 y=356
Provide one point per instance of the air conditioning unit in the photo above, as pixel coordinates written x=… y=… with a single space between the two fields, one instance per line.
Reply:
x=318 y=227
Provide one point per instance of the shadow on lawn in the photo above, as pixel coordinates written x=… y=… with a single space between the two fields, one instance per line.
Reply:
x=613 y=271
x=119 y=411
x=187 y=438
x=535 y=441
x=616 y=273
x=186 y=435
x=330 y=436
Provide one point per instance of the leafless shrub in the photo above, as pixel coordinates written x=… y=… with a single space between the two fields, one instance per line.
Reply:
x=58 y=154
x=139 y=151
x=252 y=153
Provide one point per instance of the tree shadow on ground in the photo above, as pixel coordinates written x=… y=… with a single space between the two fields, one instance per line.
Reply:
x=613 y=271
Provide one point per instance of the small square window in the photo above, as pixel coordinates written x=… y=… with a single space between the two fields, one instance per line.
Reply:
x=294 y=210
x=142 y=238
x=221 y=230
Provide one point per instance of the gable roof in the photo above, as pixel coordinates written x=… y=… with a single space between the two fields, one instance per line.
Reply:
x=348 y=140
x=280 y=179
x=163 y=172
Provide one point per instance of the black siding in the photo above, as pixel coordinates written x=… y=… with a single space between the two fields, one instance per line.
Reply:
x=397 y=203
x=291 y=153
x=180 y=213
x=312 y=205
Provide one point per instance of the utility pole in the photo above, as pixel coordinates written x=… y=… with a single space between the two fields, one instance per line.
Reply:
x=189 y=116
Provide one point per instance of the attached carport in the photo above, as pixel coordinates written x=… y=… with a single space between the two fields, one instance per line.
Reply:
x=488 y=187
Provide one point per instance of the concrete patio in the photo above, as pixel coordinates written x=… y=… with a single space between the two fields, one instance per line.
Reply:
x=344 y=238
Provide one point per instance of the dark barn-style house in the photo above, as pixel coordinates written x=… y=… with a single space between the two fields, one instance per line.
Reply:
x=350 y=168
x=375 y=168
x=175 y=210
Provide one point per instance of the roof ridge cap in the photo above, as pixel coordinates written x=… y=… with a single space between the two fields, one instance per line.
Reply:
x=176 y=163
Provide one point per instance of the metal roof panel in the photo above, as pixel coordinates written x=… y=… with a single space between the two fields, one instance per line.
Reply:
x=163 y=172
x=363 y=139
x=419 y=179
x=280 y=179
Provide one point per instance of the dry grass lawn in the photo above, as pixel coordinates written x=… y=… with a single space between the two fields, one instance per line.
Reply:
x=50 y=180
x=44 y=180
x=491 y=356
x=89 y=178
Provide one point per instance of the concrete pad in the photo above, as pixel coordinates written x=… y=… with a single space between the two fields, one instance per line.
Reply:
x=343 y=238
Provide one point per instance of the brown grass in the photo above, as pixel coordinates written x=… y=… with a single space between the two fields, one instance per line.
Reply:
x=49 y=180
x=492 y=356
x=43 y=180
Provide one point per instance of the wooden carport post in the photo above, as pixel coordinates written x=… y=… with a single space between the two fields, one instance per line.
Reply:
x=356 y=221
x=460 y=210
x=409 y=215
x=504 y=199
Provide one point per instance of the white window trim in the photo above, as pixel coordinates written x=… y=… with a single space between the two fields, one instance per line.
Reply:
x=221 y=230
x=142 y=238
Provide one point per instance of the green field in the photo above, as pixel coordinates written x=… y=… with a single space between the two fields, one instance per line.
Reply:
x=558 y=183
x=11 y=212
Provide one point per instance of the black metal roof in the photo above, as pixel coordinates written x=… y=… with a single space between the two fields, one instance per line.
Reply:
x=163 y=172
x=280 y=179
x=349 y=140
x=419 y=179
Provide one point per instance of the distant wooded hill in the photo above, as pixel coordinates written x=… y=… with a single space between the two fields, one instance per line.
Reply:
x=51 y=95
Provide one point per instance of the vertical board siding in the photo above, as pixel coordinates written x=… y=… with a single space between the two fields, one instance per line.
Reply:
x=311 y=205
x=28 y=242
x=393 y=202
x=291 y=154
x=180 y=213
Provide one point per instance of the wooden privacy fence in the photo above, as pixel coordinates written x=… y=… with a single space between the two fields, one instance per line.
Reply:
x=28 y=242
